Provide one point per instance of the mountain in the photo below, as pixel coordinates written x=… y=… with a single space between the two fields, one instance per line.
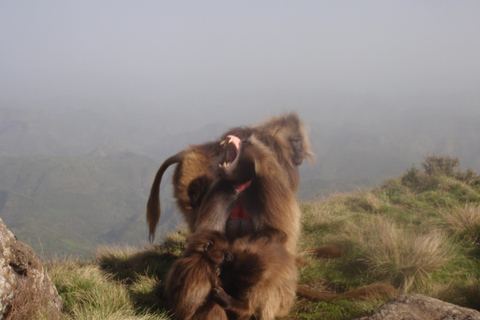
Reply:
x=70 y=205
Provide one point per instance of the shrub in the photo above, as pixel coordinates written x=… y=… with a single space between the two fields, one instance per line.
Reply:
x=418 y=181
x=434 y=167
x=440 y=165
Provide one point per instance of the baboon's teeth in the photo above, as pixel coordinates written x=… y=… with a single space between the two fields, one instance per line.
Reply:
x=223 y=142
x=230 y=140
x=224 y=165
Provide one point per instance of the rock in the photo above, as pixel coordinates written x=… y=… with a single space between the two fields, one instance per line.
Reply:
x=420 y=307
x=24 y=284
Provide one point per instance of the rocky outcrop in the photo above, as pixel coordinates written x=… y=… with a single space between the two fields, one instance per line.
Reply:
x=24 y=284
x=420 y=307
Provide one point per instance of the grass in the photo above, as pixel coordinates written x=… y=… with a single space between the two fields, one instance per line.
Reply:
x=89 y=292
x=418 y=232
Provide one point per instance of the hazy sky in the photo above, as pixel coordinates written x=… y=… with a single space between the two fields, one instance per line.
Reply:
x=190 y=53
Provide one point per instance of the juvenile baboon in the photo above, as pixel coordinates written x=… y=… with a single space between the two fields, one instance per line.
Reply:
x=255 y=281
x=192 y=277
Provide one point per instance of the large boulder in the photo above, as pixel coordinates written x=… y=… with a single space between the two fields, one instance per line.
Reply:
x=420 y=307
x=25 y=287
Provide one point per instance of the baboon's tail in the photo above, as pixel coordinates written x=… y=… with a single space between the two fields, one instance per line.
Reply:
x=363 y=293
x=153 y=204
x=314 y=295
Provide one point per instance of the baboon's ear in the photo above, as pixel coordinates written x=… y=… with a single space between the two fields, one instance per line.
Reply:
x=208 y=246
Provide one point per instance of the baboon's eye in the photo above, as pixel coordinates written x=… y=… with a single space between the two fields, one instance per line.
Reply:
x=208 y=246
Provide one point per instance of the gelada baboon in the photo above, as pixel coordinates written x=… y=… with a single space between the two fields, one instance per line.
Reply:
x=285 y=135
x=192 y=277
x=253 y=190
x=251 y=196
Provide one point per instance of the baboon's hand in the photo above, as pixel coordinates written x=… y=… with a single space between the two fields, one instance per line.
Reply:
x=221 y=297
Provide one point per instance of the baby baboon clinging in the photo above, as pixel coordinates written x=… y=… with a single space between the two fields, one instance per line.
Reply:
x=214 y=281
x=191 y=278
x=255 y=281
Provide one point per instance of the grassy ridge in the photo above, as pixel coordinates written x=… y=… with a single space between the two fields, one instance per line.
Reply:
x=418 y=232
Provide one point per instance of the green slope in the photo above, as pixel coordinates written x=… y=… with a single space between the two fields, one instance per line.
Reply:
x=418 y=232
x=70 y=205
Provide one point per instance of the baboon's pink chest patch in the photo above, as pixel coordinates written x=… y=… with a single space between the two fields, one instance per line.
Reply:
x=239 y=212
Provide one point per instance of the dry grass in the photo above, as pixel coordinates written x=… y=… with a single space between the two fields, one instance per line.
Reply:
x=464 y=220
x=31 y=302
x=391 y=253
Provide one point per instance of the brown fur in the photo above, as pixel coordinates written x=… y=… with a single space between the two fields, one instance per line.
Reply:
x=273 y=229
x=285 y=135
x=206 y=194
x=327 y=251
x=270 y=199
x=258 y=278
x=194 y=275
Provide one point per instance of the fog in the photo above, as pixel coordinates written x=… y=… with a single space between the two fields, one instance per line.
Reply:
x=239 y=61
x=94 y=95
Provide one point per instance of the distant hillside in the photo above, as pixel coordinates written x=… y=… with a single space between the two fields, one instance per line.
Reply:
x=355 y=147
x=70 y=172
x=79 y=132
x=356 y=155
x=71 y=205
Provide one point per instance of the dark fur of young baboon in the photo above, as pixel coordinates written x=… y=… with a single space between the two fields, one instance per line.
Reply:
x=257 y=282
x=192 y=277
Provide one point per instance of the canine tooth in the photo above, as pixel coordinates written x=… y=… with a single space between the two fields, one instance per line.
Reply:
x=223 y=142
x=230 y=140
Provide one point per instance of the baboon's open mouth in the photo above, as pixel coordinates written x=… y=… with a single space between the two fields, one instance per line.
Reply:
x=232 y=145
